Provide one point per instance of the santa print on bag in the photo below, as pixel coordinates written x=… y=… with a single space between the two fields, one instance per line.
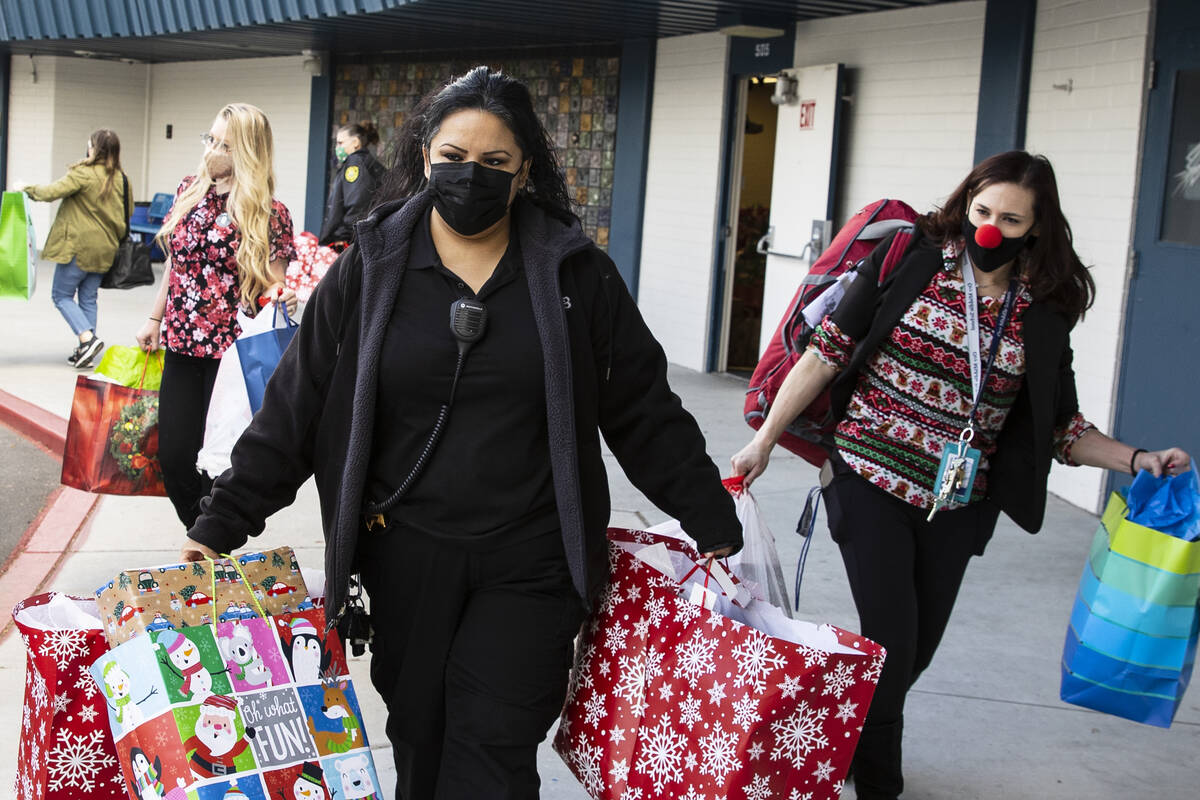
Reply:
x=670 y=699
x=216 y=749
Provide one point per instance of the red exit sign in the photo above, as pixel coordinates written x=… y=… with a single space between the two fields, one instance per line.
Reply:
x=808 y=111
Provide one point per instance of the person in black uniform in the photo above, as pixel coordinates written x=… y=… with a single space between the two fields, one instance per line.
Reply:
x=479 y=566
x=359 y=172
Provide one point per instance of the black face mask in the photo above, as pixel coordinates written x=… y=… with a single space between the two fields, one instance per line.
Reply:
x=469 y=196
x=992 y=259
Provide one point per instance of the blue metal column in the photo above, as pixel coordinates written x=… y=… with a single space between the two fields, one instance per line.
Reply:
x=5 y=71
x=320 y=124
x=629 y=158
x=1004 y=76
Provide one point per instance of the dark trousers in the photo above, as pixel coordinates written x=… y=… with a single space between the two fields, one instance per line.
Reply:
x=473 y=646
x=187 y=384
x=904 y=573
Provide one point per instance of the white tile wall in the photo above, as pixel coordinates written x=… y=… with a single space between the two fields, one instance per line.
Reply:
x=1091 y=135
x=31 y=118
x=49 y=121
x=914 y=77
x=188 y=95
x=682 y=194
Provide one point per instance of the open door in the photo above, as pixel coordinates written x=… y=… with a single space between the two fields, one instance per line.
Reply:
x=802 y=186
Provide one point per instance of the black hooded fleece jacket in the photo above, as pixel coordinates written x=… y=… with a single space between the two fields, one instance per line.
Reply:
x=604 y=372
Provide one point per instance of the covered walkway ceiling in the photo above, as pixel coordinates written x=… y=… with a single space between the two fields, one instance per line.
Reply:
x=187 y=30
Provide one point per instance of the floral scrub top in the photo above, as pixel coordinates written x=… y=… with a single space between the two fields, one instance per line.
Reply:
x=200 y=317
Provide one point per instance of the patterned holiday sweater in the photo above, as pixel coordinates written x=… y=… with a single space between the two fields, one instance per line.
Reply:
x=914 y=395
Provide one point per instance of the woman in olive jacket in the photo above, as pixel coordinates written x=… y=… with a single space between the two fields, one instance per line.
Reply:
x=83 y=240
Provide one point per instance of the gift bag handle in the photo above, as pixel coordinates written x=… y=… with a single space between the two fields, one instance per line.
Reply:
x=146 y=367
x=212 y=574
x=287 y=318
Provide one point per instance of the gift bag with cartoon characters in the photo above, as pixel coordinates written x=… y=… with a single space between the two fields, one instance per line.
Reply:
x=256 y=708
x=197 y=593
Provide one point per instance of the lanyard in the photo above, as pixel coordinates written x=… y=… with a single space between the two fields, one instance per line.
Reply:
x=978 y=380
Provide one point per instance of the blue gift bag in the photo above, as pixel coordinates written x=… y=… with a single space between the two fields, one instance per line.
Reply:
x=1131 y=643
x=259 y=355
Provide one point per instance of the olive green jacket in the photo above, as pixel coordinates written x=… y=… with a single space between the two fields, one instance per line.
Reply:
x=87 y=227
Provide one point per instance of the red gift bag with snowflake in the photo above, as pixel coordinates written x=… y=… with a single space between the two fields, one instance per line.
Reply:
x=690 y=691
x=112 y=440
x=66 y=751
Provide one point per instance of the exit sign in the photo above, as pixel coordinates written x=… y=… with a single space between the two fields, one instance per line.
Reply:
x=808 y=111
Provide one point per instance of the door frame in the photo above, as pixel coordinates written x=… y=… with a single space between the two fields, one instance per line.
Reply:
x=747 y=57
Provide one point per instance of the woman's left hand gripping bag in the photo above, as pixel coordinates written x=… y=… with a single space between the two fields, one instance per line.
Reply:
x=66 y=751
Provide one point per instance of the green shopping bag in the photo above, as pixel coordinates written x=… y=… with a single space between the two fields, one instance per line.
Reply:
x=132 y=367
x=18 y=249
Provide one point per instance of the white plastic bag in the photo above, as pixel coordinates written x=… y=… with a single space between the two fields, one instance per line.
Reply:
x=758 y=560
x=757 y=563
x=229 y=407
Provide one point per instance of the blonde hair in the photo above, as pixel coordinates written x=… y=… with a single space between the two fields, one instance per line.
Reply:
x=106 y=151
x=248 y=134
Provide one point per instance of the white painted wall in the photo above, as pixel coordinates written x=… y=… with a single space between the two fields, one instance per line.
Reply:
x=683 y=184
x=1092 y=136
x=914 y=75
x=50 y=119
x=30 y=121
x=188 y=95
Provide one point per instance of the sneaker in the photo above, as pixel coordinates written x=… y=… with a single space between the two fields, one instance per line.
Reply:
x=71 y=359
x=88 y=351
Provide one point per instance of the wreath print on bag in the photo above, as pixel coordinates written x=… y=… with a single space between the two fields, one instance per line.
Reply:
x=133 y=440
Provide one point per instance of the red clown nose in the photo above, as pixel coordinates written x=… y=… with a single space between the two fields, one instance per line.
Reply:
x=988 y=237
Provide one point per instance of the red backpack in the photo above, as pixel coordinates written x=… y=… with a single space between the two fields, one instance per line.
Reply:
x=810 y=435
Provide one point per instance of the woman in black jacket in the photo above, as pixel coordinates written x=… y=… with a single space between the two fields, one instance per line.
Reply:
x=358 y=176
x=461 y=474
x=950 y=410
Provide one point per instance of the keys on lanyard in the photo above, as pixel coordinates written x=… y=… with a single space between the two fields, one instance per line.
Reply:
x=956 y=474
x=960 y=461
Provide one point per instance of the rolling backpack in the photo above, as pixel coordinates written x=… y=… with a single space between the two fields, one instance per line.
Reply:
x=810 y=435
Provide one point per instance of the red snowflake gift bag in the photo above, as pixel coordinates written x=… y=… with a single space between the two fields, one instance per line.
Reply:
x=689 y=692
x=66 y=751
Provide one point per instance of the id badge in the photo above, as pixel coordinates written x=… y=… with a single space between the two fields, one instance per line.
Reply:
x=955 y=455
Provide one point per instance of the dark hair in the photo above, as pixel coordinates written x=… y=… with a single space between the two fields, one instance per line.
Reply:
x=106 y=150
x=363 y=130
x=1050 y=264
x=498 y=94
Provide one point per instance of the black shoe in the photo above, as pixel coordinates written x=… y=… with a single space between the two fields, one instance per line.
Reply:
x=71 y=359
x=88 y=351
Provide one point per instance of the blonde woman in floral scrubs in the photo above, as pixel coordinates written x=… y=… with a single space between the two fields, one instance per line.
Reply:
x=229 y=242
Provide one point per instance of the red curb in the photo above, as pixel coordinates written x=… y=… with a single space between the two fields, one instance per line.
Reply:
x=46 y=542
x=32 y=422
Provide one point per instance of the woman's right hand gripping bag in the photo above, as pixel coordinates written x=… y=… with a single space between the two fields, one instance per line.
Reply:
x=1131 y=641
x=686 y=685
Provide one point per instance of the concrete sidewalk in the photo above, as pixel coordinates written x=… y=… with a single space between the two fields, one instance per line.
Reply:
x=984 y=722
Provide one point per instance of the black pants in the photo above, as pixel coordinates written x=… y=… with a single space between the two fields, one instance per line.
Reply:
x=472 y=650
x=187 y=384
x=904 y=573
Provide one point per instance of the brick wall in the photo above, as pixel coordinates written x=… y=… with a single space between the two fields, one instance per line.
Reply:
x=683 y=184
x=913 y=74
x=30 y=121
x=1092 y=136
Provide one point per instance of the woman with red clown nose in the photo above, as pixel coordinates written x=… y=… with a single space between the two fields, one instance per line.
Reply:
x=953 y=390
